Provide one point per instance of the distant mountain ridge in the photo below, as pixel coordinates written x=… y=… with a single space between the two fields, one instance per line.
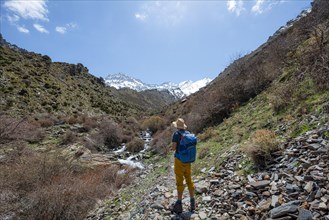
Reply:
x=185 y=88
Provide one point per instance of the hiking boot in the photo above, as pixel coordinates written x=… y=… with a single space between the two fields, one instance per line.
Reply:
x=192 y=205
x=177 y=207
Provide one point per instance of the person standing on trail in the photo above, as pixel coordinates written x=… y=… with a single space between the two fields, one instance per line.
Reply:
x=182 y=170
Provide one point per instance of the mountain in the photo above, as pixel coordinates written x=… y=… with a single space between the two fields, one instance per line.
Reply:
x=32 y=84
x=180 y=90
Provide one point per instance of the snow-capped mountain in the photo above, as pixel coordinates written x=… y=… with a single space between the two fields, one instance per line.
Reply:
x=180 y=90
x=189 y=87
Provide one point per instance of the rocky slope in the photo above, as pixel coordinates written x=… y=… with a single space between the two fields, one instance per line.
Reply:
x=294 y=186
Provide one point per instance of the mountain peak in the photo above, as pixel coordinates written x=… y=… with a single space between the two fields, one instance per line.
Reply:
x=180 y=90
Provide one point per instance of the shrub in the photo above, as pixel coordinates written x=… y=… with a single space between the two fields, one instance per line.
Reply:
x=161 y=142
x=127 y=138
x=281 y=97
x=43 y=186
x=109 y=135
x=13 y=129
x=203 y=152
x=132 y=123
x=89 y=124
x=135 y=145
x=72 y=120
x=69 y=137
x=46 y=122
x=260 y=146
x=154 y=123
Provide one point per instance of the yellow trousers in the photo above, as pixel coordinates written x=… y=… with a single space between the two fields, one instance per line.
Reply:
x=183 y=170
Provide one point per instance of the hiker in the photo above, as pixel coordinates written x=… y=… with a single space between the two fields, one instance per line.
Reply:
x=182 y=170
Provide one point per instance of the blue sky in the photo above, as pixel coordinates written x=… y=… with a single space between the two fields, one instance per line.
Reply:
x=155 y=41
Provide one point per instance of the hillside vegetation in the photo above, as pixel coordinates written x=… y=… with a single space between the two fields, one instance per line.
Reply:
x=32 y=83
x=248 y=116
x=298 y=50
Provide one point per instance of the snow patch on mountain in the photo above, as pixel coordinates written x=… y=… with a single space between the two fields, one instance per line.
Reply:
x=179 y=90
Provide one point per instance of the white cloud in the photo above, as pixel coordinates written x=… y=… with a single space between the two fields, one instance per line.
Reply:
x=71 y=25
x=40 y=28
x=257 y=8
x=141 y=17
x=235 y=6
x=13 y=19
x=66 y=28
x=168 y=13
x=262 y=6
x=61 y=30
x=23 y=29
x=32 y=9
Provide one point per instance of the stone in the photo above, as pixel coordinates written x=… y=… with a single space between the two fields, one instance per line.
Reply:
x=157 y=206
x=323 y=206
x=168 y=194
x=206 y=198
x=234 y=186
x=309 y=186
x=265 y=205
x=250 y=179
x=314 y=146
x=215 y=181
x=299 y=178
x=275 y=201
x=251 y=194
x=275 y=177
x=201 y=188
x=260 y=184
x=304 y=214
x=202 y=215
x=283 y=210
x=266 y=193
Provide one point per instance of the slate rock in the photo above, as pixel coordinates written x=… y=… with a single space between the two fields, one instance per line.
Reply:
x=260 y=184
x=283 y=210
x=304 y=214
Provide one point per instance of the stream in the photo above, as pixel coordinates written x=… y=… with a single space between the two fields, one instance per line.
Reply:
x=135 y=160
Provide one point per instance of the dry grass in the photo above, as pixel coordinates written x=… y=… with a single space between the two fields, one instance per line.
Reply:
x=260 y=146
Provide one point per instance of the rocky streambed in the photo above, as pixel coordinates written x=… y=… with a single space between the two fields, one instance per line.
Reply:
x=120 y=155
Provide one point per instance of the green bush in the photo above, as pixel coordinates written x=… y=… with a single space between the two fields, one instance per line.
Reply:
x=154 y=123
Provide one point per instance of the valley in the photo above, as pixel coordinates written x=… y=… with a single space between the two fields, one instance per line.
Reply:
x=73 y=146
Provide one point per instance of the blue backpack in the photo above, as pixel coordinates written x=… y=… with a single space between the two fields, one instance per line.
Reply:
x=187 y=147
